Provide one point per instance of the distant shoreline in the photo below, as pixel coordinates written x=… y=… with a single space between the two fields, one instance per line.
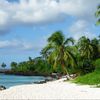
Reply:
x=4 y=70
x=9 y=72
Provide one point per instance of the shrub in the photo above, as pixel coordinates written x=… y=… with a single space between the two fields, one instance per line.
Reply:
x=91 y=78
x=97 y=64
x=86 y=66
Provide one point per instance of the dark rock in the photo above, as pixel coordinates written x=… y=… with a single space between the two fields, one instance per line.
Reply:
x=2 y=87
x=49 y=79
x=40 y=82
x=68 y=77
x=56 y=75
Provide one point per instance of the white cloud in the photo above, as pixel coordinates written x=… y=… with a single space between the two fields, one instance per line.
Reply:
x=20 y=45
x=37 y=12
x=15 y=44
x=90 y=35
x=81 y=28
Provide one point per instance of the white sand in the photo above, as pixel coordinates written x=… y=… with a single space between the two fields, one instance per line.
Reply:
x=51 y=90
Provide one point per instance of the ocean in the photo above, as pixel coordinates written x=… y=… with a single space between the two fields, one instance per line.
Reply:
x=14 y=80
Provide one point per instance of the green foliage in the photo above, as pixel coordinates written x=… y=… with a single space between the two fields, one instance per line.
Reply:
x=13 y=65
x=42 y=67
x=96 y=47
x=86 y=67
x=3 y=65
x=97 y=64
x=35 y=66
x=97 y=14
x=85 y=48
x=91 y=78
x=87 y=52
x=58 y=51
x=62 y=56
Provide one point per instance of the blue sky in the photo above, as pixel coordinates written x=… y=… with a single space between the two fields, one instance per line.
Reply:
x=25 y=25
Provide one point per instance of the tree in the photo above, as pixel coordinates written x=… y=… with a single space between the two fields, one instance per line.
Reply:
x=3 y=65
x=97 y=14
x=30 y=59
x=87 y=53
x=58 y=51
x=85 y=48
x=96 y=46
x=13 y=65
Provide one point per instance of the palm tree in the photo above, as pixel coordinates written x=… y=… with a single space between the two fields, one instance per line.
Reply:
x=13 y=65
x=85 y=48
x=97 y=14
x=30 y=59
x=99 y=44
x=86 y=51
x=58 y=52
x=96 y=46
x=3 y=65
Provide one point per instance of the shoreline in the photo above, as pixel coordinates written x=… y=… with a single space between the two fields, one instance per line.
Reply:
x=28 y=73
x=22 y=80
x=51 y=90
x=23 y=74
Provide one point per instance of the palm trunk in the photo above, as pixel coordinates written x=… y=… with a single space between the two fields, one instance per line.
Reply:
x=64 y=69
x=66 y=72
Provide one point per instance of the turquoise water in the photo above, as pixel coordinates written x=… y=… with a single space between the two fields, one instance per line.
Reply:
x=13 y=80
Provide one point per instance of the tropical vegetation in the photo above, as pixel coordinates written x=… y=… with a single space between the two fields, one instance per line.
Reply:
x=65 y=56
x=98 y=15
x=91 y=78
x=3 y=65
x=62 y=55
x=58 y=51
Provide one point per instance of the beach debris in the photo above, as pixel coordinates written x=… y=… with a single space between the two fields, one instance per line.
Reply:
x=2 y=87
x=56 y=75
x=40 y=82
x=73 y=76
x=48 y=79
x=70 y=77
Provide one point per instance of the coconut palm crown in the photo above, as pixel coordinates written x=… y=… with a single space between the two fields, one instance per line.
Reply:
x=58 y=51
x=97 y=14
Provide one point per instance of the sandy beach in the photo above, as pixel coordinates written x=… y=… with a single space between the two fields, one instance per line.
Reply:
x=50 y=90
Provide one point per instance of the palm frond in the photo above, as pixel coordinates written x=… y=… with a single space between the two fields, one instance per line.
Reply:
x=97 y=14
x=98 y=22
x=56 y=38
x=71 y=60
x=69 y=40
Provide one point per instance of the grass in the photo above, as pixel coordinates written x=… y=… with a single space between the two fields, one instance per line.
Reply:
x=91 y=78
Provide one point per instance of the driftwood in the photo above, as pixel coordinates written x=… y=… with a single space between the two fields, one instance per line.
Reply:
x=58 y=76
x=70 y=77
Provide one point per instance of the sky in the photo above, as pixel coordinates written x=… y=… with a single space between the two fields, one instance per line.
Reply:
x=25 y=25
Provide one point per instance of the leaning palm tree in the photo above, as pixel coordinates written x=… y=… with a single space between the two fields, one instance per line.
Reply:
x=97 y=14
x=58 y=51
